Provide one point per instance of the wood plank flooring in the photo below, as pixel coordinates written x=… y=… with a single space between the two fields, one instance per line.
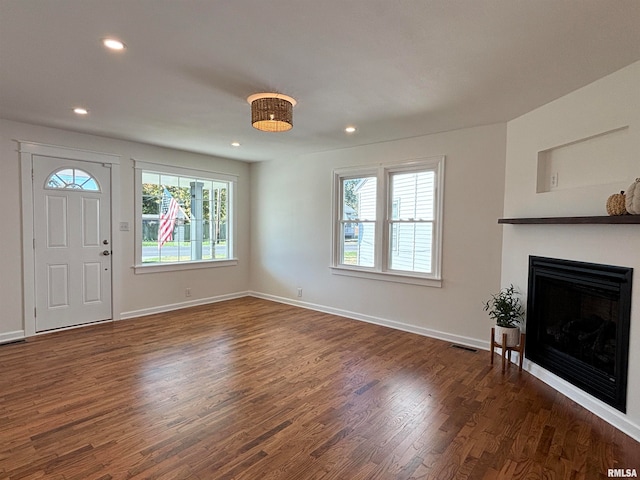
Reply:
x=251 y=389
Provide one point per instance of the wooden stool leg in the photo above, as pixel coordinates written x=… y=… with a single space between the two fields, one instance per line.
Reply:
x=492 y=343
x=504 y=350
x=521 y=350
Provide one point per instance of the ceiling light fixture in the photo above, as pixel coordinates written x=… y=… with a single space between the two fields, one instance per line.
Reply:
x=271 y=112
x=113 y=44
x=81 y=111
x=235 y=144
x=350 y=129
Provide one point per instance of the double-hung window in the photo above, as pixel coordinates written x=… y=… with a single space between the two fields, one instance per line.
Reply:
x=185 y=218
x=388 y=221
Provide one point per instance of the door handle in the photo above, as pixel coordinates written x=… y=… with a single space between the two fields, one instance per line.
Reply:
x=106 y=253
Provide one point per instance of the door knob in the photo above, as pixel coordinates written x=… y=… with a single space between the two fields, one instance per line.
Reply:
x=106 y=253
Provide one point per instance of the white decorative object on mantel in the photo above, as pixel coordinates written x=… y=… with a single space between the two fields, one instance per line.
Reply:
x=632 y=198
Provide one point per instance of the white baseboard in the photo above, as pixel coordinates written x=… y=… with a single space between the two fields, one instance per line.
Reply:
x=9 y=337
x=177 y=306
x=426 y=332
x=602 y=410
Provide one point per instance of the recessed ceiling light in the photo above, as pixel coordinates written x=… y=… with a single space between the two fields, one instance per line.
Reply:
x=80 y=111
x=235 y=144
x=350 y=129
x=113 y=44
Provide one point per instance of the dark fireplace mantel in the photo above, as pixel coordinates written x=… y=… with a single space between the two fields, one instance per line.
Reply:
x=578 y=321
x=591 y=220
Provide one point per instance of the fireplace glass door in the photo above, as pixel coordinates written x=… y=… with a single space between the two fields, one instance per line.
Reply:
x=578 y=318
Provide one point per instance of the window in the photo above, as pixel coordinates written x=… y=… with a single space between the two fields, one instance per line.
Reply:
x=185 y=218
x=388 y=221
x=72 y=179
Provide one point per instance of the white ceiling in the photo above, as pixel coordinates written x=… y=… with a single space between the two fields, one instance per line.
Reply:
x=393 y=68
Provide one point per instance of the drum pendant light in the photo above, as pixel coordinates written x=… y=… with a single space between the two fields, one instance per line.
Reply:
x=271 y=112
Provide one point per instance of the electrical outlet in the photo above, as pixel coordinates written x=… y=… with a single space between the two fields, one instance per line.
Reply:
x=554 y=180
x=299 y=292
x=187 y=292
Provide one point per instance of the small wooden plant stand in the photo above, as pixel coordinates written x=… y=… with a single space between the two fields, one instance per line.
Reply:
x=506 y=351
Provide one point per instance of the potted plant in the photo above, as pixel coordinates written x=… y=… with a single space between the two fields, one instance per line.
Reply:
x=507 y=310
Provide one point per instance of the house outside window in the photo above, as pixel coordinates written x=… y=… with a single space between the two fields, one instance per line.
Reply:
x=388 y=221
x=184 y=218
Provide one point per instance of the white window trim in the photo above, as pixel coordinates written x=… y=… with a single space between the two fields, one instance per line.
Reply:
x=193 y=265
x=381 y=271
x=143 y=268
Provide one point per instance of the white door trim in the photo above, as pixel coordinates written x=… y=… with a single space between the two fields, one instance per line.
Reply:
x=27 y=150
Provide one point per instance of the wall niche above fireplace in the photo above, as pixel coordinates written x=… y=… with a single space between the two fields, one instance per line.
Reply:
x=578 y=319
x=580 y=164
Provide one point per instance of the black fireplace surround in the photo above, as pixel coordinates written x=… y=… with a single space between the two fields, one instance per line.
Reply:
x=578 y=317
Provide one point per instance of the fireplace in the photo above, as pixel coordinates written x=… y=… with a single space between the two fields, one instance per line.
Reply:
x=578 y=317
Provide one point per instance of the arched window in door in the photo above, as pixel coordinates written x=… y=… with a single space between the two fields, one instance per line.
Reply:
x=72 y=179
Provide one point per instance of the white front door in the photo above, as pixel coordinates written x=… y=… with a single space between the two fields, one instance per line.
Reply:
x=72 y=241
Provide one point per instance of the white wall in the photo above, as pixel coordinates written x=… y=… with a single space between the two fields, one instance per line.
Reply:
x=607 y=104
x=139 y=293
x=291 y=235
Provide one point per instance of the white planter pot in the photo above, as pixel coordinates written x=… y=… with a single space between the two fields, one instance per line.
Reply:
x=513 y=335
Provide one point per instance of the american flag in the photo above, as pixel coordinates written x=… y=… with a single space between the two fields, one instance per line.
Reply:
x=168 y=213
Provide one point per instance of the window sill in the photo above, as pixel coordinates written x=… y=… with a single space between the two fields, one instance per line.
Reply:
x=172 y=267
x=387 y=276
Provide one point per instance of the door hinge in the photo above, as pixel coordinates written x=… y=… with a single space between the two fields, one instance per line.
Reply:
x=34 y=243
x=34 y=312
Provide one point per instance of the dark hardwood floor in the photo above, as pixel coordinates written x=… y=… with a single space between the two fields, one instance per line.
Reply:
x=250 y=389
